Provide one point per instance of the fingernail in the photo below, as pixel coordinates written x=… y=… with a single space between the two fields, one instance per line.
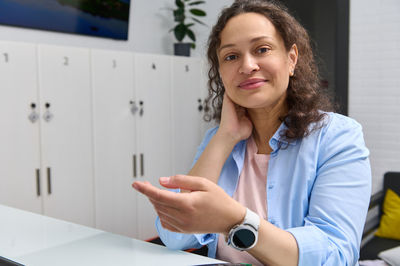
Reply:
x=164 y=180
x=135 y=186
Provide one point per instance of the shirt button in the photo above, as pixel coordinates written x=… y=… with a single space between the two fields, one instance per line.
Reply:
x=270 y=186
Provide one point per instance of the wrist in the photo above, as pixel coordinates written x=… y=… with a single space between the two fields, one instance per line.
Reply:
x=244 y=236
x=227 y=138
x=236 y=217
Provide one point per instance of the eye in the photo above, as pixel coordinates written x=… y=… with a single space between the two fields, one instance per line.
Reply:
x=262 y=50
x=230 y=57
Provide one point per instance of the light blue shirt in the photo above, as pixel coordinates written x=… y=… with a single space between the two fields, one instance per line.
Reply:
x=318 y=189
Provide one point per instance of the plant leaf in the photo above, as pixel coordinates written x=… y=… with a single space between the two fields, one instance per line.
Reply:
x=193 y=45
x=196 y=3
x=180 y=31
x=189 y=25
x=198 y=21
x=198 y=12
x=191 y=35
x=179 y=15
x=179 y=3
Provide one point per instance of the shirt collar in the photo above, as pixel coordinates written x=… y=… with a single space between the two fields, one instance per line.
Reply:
x=278 y=138
x=239 y=150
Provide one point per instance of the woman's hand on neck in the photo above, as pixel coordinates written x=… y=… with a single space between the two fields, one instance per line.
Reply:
x=235 y=123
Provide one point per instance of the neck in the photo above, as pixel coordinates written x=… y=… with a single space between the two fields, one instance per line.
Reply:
x=265 y=123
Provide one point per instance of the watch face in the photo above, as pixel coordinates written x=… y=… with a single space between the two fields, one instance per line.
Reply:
x=243 y=238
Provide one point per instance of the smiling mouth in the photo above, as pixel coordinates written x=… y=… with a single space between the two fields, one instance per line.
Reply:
x=252 y=84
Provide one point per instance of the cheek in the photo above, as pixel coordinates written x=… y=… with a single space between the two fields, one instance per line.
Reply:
x=279 y=72
x=277 y=66
x=226 y=77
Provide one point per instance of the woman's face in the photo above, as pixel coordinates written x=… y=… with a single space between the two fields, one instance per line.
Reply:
x=253 y=63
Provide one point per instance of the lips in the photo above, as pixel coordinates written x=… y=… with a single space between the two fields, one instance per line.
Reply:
x=253 y=83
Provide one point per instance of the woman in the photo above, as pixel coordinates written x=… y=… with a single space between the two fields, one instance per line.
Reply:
x=293 y=180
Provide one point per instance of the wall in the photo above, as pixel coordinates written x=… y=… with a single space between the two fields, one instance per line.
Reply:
x=374 y=81
x=150 y=21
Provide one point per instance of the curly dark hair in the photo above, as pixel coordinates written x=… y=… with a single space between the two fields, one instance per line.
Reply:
x=305 y=98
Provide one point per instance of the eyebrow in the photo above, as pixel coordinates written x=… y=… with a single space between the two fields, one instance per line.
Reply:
x=251 y=41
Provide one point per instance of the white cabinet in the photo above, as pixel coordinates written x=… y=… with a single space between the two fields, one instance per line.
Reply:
x=132 y=135
x=46 y=162
x=19 y=137
x=187 y=111
x=153 y=92
x=103 y=120
x=146 y=125
x=66 y=133
x=116 y=164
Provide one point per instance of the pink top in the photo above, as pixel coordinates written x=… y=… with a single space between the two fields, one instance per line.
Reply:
x=250 y=192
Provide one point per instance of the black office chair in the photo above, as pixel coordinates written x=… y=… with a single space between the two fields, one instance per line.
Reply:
x=377 y=244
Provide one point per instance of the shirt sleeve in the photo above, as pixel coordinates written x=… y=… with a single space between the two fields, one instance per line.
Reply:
x=339 y=199
x=181 y=241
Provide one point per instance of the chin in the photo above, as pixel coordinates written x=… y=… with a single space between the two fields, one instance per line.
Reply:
x=260 y=101
x=253 y=103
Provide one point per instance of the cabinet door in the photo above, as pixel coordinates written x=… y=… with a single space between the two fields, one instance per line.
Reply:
x=66 y=136
x=19 y=137
x=153 y=91
x=114 y=138
x=186 y=112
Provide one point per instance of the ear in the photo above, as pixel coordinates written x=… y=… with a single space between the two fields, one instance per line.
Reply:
x=293 y=55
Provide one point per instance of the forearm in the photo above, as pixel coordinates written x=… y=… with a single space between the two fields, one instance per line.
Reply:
x=275 y=246
x=211 y=161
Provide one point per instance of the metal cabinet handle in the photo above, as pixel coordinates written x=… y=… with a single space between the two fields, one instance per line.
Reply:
x=141 y=164
x=38 y=182
x=134 y=165
x=49 y=180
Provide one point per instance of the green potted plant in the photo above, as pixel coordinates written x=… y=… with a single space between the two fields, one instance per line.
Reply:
x=186 y=10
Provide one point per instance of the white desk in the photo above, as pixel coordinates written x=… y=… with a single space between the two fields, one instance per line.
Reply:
x=33 y=239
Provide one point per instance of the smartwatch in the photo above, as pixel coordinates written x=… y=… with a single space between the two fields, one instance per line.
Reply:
x=244 y=236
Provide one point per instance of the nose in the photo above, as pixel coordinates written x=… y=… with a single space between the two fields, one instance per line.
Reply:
x=249 y=65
